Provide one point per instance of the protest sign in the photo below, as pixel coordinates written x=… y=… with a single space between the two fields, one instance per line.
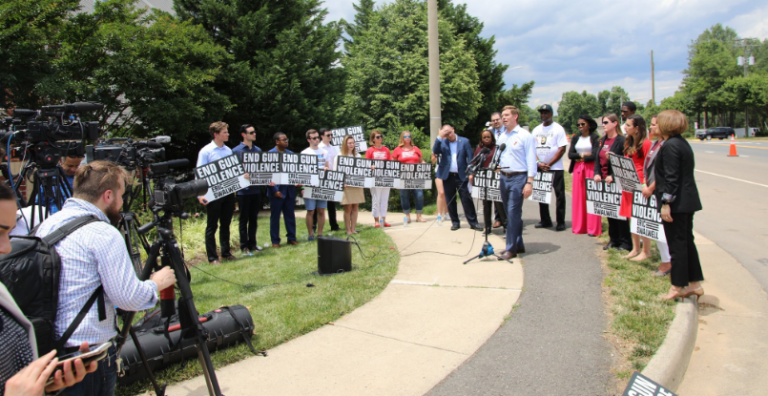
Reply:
x=414 y=177
x=646 y=217
x=224 y=176
x=640 y=385
x=357 y=171
x=486 y=185
x=331 y=187
x=357 y=132
x=385 y=173
x=299 y=169
x=604 y=199
x=262 y=168
x=624 y=173
x=542 y=187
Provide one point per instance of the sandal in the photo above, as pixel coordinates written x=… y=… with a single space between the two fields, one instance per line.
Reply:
x=662 y=273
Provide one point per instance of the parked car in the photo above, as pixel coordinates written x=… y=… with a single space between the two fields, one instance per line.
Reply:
x=716 y=132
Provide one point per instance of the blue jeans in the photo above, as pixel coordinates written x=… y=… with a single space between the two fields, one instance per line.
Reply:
x=512 y=197
x=405 y=200
x=100 y=382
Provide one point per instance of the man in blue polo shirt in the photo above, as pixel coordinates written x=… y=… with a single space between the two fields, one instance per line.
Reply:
x=248 y=199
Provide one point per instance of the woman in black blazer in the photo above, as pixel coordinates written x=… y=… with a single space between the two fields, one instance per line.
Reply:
x=582 y=153
x=613 y=142
x=676 y=188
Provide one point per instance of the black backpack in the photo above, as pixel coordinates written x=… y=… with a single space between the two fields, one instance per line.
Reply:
x=32 y=272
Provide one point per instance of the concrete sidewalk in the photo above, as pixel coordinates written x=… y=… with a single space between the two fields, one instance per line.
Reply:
x=732 y=341
x=432 y=317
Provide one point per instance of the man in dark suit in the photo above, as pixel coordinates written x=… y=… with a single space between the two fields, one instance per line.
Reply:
x=456 y=154
x=282 y=199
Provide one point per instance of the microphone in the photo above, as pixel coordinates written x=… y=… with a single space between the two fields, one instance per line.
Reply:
x=77 y=107
x=478 y=160
x=497 y=156
x=149 y=143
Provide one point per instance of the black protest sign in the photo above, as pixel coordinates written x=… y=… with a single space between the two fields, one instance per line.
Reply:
x=640 y=385
x=224 y=176
x=331 y=187
x=262 y=168
x=357 y=132
x=357 y=171
x=646 y=217
x=486 y=185
x=414 y=177
x=603 y=199
x=385 y=173
x=542 y=187
x=624 y=173
x=299 y=169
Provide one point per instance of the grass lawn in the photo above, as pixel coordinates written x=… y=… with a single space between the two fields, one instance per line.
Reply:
x=274 y=286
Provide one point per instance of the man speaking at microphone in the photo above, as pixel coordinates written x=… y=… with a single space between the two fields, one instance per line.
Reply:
x=455 y=155
x=518 y=168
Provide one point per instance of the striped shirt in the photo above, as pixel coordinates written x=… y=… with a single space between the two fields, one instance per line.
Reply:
x=91 y=256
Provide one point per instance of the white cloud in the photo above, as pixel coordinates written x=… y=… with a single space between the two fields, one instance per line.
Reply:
x=752 y=24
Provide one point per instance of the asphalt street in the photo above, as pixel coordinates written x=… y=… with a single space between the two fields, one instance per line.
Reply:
x=733 y=191
x=553 y=343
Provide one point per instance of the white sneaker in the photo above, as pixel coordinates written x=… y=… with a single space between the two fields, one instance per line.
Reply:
x=257 y=248
x=246 y=252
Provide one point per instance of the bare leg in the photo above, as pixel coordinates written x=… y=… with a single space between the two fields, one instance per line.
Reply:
x=354 y=212
x=308 y=221
x=646 y=253
x=635 y=247
x=320 y=220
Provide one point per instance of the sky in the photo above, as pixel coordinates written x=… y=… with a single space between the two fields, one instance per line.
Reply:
x=594 y=45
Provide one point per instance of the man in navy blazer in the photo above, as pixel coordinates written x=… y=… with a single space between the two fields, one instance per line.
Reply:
x=455 y=155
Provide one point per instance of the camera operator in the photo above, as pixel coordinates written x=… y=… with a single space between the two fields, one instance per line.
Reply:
x=222 y=209
x=70 y=163
x=95 y=255
x=22 y=372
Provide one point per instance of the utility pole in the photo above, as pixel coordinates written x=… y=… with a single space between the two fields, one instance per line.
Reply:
x=435 y=117
x=653 y=81
x=746 y=60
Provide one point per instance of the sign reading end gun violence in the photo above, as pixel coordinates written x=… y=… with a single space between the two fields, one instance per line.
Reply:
x=646 y=217
x=486 y=185
x=357 y=171
x=331 y=187
x=542 y=187
x=357 y=132
x=298 y=169
x=640 y=385
x=223 y=176
x=414 y=177
x=385 y=173
x=603 y=199
x=624 y=173
x=262 y=168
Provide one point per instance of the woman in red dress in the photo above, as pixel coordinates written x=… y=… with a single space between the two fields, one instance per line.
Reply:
x=636 y=147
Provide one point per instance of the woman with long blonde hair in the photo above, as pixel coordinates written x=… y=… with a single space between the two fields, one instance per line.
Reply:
x=353 y=196
x=407 y=153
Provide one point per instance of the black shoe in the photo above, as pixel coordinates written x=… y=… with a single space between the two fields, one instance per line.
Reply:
x=477 y=227
x=609 y=245
x=520 y=250
x=507 y=256
x=560 y=227
x=542 y=225
x=335 y=229
x=455 y=227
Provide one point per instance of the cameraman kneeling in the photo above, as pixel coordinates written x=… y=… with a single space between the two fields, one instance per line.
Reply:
x=92 y=256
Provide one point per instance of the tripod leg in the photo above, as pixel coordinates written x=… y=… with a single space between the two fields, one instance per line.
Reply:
x=159 y=390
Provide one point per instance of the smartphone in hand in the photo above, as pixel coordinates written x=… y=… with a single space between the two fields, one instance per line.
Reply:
x=97 y=352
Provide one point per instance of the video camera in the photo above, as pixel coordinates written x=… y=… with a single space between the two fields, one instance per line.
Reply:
x=52 y=132
x=168 y=195
x=129 y=153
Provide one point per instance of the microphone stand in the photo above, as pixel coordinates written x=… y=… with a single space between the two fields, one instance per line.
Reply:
x=487 y=249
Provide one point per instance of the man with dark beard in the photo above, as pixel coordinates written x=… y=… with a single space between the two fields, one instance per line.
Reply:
x=95 y=256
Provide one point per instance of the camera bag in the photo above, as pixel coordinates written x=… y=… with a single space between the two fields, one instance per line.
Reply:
x=32 y=273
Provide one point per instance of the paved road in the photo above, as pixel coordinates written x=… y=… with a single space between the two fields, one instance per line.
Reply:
x=733 y=191
x=553 y=343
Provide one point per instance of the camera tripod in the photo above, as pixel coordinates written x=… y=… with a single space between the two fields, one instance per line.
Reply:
x=167 y=249
x=50 y=190
x=129 y=224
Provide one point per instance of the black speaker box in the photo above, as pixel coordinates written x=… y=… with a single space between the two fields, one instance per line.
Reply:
x=334 y=255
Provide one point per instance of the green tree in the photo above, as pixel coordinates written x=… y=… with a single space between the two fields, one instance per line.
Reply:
x=610 y=101
x=153 y=73
x=387 y=65
x=751 y=91
x=573 y=105
x=363 y=11
x=284 y=73
x=28 y=29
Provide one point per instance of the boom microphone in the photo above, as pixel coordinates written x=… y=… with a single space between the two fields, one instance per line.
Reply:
x=77 y=107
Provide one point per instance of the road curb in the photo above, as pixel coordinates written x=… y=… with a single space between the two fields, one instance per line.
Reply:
x=668 y=365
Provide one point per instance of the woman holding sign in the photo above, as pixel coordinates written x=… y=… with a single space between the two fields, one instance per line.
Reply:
x=488 y=140
x=676 y=187
x=613 y=142
x=650 y=180
x=582 y=153
x=353 y=196
x=636 y=147
x=379 y=195
x=407 y=153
